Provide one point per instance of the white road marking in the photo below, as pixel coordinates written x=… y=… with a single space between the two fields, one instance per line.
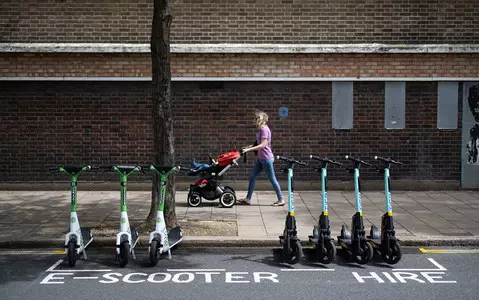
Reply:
x=196 y=270
x=306 y=270
x=52 y=269
x=440 y=268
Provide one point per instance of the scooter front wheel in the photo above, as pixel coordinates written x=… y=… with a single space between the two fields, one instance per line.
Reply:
x=392 y=255
x=154 y=255
x=366 y=253
x=72 y=253
x=124 y=254
x=295 y=253
x=328 y=254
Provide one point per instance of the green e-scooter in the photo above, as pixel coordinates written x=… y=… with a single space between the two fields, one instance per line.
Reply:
x=127 y=237
x=78 y=238
x=160 y=240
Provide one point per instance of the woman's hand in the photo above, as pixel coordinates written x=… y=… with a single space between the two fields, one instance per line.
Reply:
x=246 y=149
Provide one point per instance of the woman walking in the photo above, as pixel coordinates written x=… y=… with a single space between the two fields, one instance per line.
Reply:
x=265 y=159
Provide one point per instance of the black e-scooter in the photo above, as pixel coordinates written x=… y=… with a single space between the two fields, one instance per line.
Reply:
x=292 y=251
x=354 y=240
x=321 y=238
x=385 y=241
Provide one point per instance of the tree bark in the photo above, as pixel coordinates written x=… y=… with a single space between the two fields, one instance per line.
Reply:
x=162 y=116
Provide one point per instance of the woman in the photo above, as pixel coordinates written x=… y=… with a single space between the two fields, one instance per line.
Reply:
x=265 y=159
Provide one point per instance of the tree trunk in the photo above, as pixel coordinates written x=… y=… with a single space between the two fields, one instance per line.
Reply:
x=162 y=117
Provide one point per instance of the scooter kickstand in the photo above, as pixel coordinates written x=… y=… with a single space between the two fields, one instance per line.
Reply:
x=133 y=253
x=169 y=254
x=85 y=257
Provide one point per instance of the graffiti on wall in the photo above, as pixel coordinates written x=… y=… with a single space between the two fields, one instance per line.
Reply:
x=473 y=143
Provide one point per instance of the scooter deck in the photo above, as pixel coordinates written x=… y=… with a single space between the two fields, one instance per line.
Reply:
x=375 y=243
x=342 y=241
x=175 y=236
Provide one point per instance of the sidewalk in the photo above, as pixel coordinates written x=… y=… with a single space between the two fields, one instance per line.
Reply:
x=40 y=218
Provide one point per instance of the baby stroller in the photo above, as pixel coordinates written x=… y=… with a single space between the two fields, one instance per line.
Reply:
x=208 y=186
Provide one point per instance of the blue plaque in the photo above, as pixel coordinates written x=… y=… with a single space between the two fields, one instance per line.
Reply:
x=283 y=111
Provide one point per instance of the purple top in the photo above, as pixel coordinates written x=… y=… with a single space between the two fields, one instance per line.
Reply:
x=264 y=133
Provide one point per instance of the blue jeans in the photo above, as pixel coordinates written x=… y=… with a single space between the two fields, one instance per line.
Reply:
x=267 y=165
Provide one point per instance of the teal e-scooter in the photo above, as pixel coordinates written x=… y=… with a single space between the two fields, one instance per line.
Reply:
x=292 y=251
x=321 y=239
x=78 y=238
x=160 y=240
x=385 y=241
x=354 y=240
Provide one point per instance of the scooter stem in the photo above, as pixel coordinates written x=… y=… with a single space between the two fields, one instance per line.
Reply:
x=290 y=192
x=359 y=208
x=324 y=190
x=73 y=204
x=389 y=208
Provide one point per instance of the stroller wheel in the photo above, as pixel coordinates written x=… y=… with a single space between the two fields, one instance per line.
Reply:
x=194 y=199
x=228 y=199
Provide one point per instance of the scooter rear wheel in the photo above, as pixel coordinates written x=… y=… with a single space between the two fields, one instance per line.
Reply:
x=124 y=254
x=154 y=255
x=72 y=253
x=328 y=254
x=393 y=256
x=365 y=256
x=296 y=253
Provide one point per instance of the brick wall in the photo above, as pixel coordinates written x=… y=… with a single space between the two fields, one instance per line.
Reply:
x=46 y=124
x=242 y=65
x=243 y=21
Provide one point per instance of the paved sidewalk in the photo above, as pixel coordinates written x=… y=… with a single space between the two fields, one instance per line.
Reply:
x=421 y=218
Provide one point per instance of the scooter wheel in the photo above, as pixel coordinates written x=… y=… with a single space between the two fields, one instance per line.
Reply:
x=72 y=253
x=365 y=256
x=328 y=254
x=194 y=199
x=124 y=254
x=154 y=253
x=228 y=199
x=393 y=255
x=296 y=253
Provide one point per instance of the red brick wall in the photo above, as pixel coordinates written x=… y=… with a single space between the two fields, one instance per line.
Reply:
x=242 y=65
x=46 y=124
x=243 y=21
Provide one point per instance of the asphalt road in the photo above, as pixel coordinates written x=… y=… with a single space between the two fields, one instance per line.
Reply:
x=235 y=273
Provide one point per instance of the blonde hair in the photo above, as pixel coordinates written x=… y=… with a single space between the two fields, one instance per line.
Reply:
x=261 y=118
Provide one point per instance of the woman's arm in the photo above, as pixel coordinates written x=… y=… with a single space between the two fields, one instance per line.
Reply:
x=258 y=147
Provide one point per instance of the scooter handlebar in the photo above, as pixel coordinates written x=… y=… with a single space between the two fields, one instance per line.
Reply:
x=388 y=160
x=291 y=161
x=69 y=169
x=326 y=160
x=356 y=159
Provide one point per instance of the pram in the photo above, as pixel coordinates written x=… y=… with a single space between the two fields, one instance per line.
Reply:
x=207 y=186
